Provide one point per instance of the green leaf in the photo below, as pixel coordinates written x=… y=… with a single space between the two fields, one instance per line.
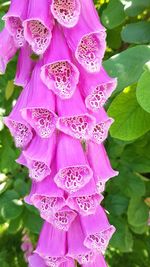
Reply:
x=137 y=158
x=116 y=204
x=139 y=229
x=135 y=7
x=7 y=152
x=128 y=65
x=10 y=205
x=4 y=264
x=114 y=38
x=143 y=91
x=131 y=121
x=136 y=33
x=15 y=225
x=32 y=221
x=122 y=239
x=12 y=209
x=147 y=66
x=138 y=212
x=32 y=209
x=21 y=187
x=113 y=15
x=9 y=195
x=130 y=184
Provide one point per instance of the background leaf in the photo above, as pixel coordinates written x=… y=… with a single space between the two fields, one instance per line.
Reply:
x=128 y=65
x=113 y=15
x=135 y=7
x=137 y=212
x=131 y=121
x=143 y=91
x=136 y=33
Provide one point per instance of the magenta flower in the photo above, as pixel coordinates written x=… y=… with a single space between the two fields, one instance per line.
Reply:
x=96 y=88
x=99 y=261
x=35 y=260
x=86 y=200
x=66 y=12
x=73 y=171
x=59 y=73
x=60 y=124
x=96 y=154
x=76 y=248
x=87 y=38
x=52 y=245
x=63 y=218
x=38 y=25
x=97 y=230
x=38 y=156
x=19 y=128
x=7 y=49
x=40 y=111
x=24 y=70
x=74 y=118
x=103 y=123
x=46 y=197
x=14 y=19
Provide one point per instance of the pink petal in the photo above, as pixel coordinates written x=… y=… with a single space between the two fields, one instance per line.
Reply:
x=87 y=38
x=24 y=67
x=38 y=26
x=58 y=72
x=40 y=111
x=73 y=171
x=19 y=128
x=14 y=19
x=75 y=119
x=100 y=164
x=97 y=230
x=66 y=13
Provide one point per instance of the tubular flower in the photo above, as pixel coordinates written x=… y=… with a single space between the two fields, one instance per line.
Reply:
x=53 y=255
x=24 y=70
x=7 y=49
x=100 y=164
x=14 y=20
x=40 y=111
x=66 y=12
x=38 y=25
x=96 y=88
x=74 y=118
x=86 y=200
x=58 y=72
x=99 y=261
x=73 y=171
x=87 y=38
x=59 y=122
x=19 y=128
x=97 y=230
x=38 y=157
x=46 y=197
x=76 y=248
x=35 y=260
x=101 y=127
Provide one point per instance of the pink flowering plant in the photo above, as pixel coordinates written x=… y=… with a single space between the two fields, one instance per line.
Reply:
x=71 y=194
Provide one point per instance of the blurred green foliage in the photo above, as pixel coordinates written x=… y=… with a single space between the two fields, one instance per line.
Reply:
x=127 y=197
